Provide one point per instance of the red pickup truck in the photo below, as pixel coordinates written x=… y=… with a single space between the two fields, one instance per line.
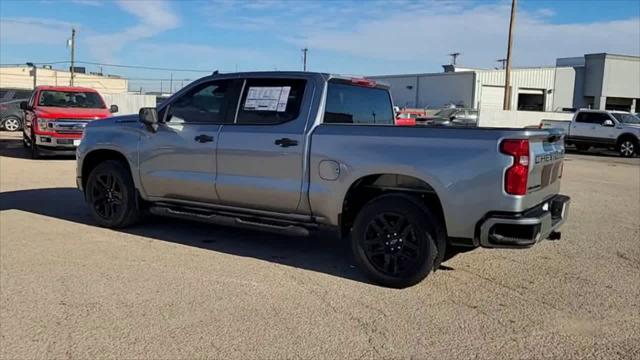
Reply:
x=55 y=117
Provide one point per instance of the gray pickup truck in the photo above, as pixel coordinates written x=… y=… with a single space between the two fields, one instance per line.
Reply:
x=300 y=153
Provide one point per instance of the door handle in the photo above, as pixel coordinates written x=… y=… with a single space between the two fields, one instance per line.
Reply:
x=286 y=142
x=203 y=138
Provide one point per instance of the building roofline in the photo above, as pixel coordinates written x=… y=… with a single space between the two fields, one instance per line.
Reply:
x=461 y=72
x=623 y=56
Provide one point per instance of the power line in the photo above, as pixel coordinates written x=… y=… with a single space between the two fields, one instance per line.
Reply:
x=143 y=67
x=114 y=65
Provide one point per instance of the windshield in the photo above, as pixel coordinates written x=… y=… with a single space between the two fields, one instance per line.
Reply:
x=446 y=113
x=74 y=99
x=626 y=118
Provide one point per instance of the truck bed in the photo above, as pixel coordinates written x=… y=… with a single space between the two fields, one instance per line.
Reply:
x=464 y=166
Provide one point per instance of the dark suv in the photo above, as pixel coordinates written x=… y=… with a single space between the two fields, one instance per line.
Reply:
x=11 y=116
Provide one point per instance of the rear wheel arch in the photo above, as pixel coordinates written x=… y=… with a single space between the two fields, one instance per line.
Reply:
x=369 y=187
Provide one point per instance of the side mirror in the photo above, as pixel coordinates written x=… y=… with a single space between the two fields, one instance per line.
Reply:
x=24 y=105
x=608 y=123
x=149 y=117
x=113 y=109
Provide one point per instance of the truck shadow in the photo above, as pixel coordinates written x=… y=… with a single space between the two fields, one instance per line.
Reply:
x=322 y=254
x=12 y=147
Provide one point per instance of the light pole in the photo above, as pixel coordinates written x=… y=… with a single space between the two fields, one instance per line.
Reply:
x=33 y=66
x=507 y=76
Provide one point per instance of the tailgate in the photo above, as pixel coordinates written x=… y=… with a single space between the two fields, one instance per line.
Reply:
x=546 y=161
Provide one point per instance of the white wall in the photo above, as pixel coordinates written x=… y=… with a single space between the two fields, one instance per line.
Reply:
x=21 y=77
x=513 y=118
x=129 y=103
x=622 y=77
x=439 y=90
x=529 y=78
x=430 y=90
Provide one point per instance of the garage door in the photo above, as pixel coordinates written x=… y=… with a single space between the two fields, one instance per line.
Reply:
x=491 y=97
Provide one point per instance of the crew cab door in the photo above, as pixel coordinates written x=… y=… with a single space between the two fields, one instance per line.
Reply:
x=178 y=161
x=261 y=155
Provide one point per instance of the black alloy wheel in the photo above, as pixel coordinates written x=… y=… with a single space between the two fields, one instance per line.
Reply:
x=111 y=195
x=396 y=240
x=106 y=196
x=390 y=243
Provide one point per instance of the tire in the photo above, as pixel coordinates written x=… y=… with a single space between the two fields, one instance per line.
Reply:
x=35 y=152
x=582 y=147
x=111 y=195
x=25 y=141
x=12 y=124
x=408 y=258
x=627 y=147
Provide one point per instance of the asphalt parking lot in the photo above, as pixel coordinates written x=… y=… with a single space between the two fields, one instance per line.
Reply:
x=170 y=289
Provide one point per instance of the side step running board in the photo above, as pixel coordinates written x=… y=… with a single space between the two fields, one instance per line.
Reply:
x=267 y=225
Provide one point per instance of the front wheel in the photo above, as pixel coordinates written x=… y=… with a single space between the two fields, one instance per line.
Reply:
x=35 y=152
x=12 y=123
x=394 y=240
x=111 y=195
x=627 y=148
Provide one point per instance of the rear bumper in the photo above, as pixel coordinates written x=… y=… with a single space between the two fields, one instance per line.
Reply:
x=525 y=229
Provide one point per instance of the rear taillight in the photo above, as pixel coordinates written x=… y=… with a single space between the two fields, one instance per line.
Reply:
x=515 y=180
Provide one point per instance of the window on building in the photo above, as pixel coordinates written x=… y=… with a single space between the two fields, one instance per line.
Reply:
x=531 y=100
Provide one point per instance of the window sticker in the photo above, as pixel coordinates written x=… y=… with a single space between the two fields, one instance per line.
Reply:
x=267 y=98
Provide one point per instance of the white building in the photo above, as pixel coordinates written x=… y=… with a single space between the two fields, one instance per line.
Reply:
x=24 y=77
x=594 y=80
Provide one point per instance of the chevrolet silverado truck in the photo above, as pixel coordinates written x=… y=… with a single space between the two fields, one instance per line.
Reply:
x=616 y=130
x=55 y=117
x=302 y=153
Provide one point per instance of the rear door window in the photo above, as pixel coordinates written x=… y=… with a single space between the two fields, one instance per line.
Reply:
x=270 y=101
x=592 y=118
x=351 y=104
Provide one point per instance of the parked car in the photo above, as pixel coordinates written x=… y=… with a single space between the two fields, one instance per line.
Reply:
x=9 y=94
x=55 y=117
x=11 y=116
x=408 y=117
x=452 y=117
x=297 y=152
x=616 y=130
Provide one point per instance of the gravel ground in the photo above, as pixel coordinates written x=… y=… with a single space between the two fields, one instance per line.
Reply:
x=170 y=289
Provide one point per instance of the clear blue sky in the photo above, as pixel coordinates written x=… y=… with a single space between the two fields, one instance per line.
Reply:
x=353 y=37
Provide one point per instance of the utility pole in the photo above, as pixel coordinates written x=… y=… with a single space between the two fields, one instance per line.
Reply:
x=454 y=57
x=503 y=63
x=304 y=59
x=171 y=84
x=160 y=86
x=73 y=53
x=507 y=75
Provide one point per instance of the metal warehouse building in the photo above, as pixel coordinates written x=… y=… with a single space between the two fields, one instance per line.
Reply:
x=602 y=81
